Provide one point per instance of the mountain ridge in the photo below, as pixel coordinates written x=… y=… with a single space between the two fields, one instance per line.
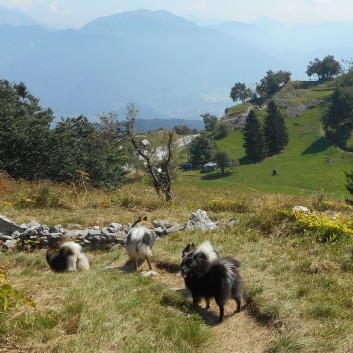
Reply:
x=168 y=66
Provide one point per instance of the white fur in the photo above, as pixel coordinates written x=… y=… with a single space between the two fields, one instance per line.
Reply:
x=135 y=247
x=209 y=251
x=78 y=261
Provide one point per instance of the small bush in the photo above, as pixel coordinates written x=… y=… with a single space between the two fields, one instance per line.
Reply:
x=11 y=297
x=326 y=229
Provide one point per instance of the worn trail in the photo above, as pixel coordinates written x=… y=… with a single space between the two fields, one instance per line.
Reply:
x=238 y=333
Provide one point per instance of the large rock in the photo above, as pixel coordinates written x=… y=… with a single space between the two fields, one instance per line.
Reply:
x=8 y=226
x=200 y=220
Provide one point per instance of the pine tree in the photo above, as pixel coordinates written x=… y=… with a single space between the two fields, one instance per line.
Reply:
x=276 y=134
x=254 y=140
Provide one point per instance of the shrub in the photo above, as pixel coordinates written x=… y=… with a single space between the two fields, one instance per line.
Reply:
x=327 y=229
x=11 y=297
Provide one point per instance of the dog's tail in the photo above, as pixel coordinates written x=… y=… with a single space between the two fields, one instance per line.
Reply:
x=206 y=248
x=76 y=259
x=233 y=278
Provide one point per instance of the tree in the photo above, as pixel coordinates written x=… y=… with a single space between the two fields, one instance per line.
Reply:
x=78 y=145
x=275 y=130
x=325 y=69
x=272 y=83
x=221 y=131
x=183 y=130
x=240 y=92
x=161 y=168
x=24 y=132
x=201 y=150
x=210 y=122
x=254 y=139
x=340 y=111
x=30 y=149
x=223 y=160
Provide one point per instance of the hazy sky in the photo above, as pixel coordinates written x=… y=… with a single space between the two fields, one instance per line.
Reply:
x=76 y=13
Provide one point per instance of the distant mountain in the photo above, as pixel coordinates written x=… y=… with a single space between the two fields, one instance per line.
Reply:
x=296 y=45
x=15 y=17
x=163 y=63
x=168 y=66
x=168 y=124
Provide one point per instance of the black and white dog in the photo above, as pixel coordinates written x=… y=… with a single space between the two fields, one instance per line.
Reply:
x=67 y=257
x=212 y=277
x=140 y=241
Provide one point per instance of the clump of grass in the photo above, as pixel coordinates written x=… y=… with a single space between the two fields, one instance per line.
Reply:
x=233 y=205
x=287 y=344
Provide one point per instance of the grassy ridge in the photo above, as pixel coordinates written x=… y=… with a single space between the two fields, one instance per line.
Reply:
x=308 y=165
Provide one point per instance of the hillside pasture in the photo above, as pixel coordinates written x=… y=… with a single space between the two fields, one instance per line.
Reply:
x=298 y=288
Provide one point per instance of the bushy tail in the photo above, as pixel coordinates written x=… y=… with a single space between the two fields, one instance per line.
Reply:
x=206 y=248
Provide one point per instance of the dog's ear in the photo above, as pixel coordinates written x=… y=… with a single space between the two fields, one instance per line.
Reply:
x=192 y=247
x=186 y=250
x=138 y=220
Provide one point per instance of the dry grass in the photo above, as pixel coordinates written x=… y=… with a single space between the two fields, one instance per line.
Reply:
x=298 y=289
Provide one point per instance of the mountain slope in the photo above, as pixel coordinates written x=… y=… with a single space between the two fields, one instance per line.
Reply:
x=309 y=165
x=154 y=59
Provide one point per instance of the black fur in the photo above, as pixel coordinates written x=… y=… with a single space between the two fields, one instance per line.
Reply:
x=217 y=279
x=57 y=259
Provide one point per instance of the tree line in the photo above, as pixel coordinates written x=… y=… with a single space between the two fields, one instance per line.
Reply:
x=30 y=148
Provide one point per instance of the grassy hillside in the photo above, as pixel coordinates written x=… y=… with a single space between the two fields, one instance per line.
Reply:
x=298 y=287
x=308 y=165
x=297 y=268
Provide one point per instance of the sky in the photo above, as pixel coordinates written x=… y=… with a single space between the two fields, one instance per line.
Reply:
x=76 y=13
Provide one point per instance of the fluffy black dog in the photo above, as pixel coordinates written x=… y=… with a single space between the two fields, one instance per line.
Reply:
x=217 y=279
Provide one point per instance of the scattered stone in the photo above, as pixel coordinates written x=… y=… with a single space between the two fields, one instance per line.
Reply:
x=34 y=235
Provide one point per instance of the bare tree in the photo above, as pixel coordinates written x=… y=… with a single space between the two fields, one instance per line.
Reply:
x=158 y=161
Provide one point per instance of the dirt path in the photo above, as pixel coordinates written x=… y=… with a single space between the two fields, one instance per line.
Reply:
x=238 y=333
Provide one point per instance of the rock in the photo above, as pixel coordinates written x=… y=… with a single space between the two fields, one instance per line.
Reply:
x=200 y=220
x=10 y=244
x=6 y=225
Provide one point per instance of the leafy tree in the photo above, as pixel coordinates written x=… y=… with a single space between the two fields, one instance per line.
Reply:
x=201 y=150
x=349 y=180
x=24 y=132
x=240 y=92
x=272 y=83
x=210 y=122
x=183 y=130
x=325 y=69
x=223 y=160
x=254 y=138
x=340 y=111
x=221 y=131
x=275 y=130
x=78 y=145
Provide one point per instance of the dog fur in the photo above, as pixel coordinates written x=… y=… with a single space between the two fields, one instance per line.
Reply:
x=206 y=248
x=140 y=241
x=219 y=279
x=67 y=257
